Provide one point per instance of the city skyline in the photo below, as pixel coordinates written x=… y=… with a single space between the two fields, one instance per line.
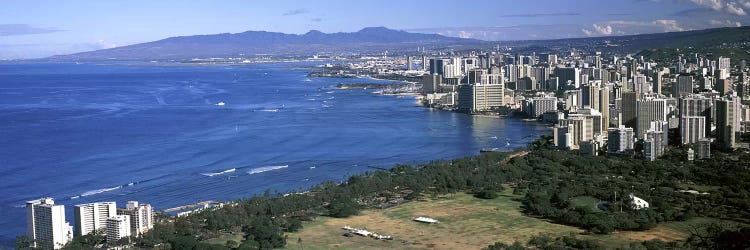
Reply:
x=40 y=29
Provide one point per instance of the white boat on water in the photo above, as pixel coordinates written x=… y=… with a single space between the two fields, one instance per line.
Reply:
x=220 y=104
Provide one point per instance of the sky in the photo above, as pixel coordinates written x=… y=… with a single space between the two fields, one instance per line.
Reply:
x=41 y=28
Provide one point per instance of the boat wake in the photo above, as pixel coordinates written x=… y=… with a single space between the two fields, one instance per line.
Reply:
x=220 y=173
x=266 y=169
x=97 y=191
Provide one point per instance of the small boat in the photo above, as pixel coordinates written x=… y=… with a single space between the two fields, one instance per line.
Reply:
x=220 y=104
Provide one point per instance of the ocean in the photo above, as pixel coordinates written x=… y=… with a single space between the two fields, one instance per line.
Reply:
x=157 y=133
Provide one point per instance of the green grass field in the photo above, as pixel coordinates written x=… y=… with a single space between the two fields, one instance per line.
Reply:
x=466 y=222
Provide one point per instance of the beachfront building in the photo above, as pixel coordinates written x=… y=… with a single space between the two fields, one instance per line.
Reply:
x=47 y=227
x=118 y=227
x=93 y=216
x=141 y=217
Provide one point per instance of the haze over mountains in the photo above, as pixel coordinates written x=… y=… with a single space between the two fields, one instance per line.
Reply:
x=380 y=39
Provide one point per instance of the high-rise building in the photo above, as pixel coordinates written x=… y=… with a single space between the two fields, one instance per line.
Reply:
x=603 y=106
x=552 y=59
x=118 y=227
x=692 y=129
x=590 y=96
x=703 y=149
x=629 y=109
x=658 y=82
x=465 y=98
x=562 y=136
x=620 y=139
x=436 y=66
x=655 y=140
x=409 y=63
x=723 y=86
x=487 y=96
x=724 y=63
x=697 y=105
x=727 y=121
x=649 y=110
x=743 y=90
x=567 y=76
x=594 y=121
x=578 y=128
x=141 y=217
x=431 y=83
x=683 y=86
x=539 y=105
x=456 y=61
x=641 y=85
x=46 y=223
x=93 y=216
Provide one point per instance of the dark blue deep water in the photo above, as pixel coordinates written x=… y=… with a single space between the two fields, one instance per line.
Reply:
x=99 y=132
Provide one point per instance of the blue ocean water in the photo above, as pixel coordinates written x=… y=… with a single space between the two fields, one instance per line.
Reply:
x=132 y=131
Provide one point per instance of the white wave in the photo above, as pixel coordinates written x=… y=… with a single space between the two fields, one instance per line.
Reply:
x=329 y=92
x=220 y=173
x=268 y=110
x=99 y=191
x=75 y=197
x=266 y=169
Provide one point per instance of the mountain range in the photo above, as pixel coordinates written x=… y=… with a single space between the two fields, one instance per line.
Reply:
x=251 y=43
x=380 y=39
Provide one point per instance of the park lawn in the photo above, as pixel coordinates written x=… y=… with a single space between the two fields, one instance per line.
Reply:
x=587 y=202
x=466 y=222
x=239 y=237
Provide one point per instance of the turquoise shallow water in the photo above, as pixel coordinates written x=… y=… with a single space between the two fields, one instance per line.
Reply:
x=132 y=131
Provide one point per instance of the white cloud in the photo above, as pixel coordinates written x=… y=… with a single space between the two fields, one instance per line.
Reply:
x=599 y=30
x=465 y=34
x=712 y=4
x=724 y=23
x=734 y=8
x=603 y=29
x=664 y=25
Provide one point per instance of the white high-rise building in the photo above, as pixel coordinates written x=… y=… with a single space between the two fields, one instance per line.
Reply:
x=724 y=63
x=118 y=227
x=93 y=216
x=692 y=129
x=141 y=217
x=47 y=227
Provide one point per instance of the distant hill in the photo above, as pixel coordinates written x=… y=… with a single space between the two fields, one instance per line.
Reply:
x=375 y=39
x=700 y=39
